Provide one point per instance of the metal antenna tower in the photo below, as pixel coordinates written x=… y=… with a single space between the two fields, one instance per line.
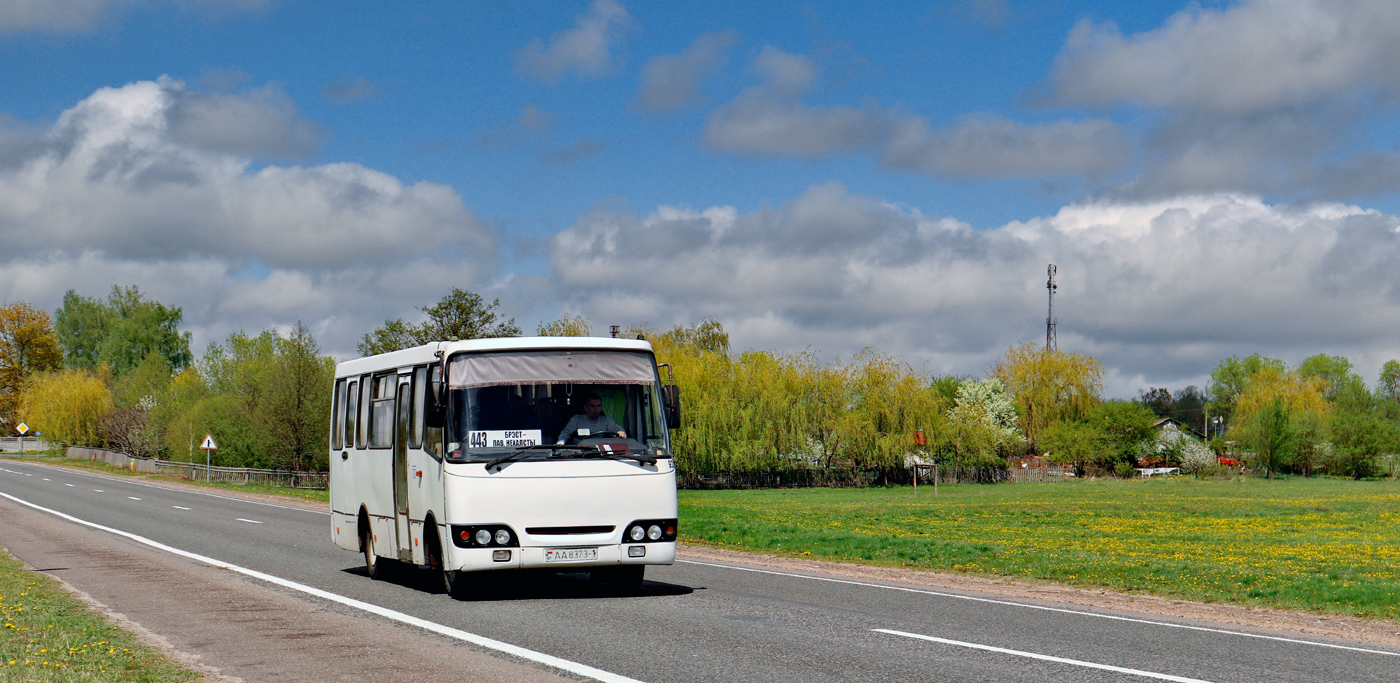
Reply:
x=1050 y=313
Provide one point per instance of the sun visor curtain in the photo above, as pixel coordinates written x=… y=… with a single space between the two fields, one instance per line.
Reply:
x=550 y=367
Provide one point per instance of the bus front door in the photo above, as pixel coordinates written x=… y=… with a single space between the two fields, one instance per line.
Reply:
x=401 y=426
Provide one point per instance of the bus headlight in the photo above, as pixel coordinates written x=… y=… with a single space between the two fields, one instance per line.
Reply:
x=483 y=537
x=651 y=531
x=502 y=537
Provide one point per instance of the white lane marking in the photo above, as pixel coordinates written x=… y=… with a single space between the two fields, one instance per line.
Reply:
x=184 y=490
x=250 y=521
x=177 y=507
x=1048 y=658
x=68 y=484
x=133 y=497
x=98 y=491
x=1042 y=607
x=47 y=479
x=482 y=641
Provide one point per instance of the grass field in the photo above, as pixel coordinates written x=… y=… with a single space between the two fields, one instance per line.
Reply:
x=48 y=635
x=1320 y=545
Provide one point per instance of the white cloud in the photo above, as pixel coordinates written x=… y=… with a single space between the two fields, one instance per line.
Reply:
x=672 y=82
x=993 y=147
x=84 y=15
x=771 y=118
x=585 y=49
x=130 y=186
x=1255 y=56
x=1158 y=291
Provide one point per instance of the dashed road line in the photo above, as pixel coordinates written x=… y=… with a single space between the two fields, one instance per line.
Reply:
x=1061 y=610
x=250 y=521
x=179 y=507
x=1047 y=658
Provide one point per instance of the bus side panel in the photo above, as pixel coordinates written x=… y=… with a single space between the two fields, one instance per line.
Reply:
x=344 y=502
x=424 y=497
x=374 y=478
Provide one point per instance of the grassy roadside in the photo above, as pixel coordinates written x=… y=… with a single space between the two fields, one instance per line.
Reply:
x=49 y=635
x=1319 y=545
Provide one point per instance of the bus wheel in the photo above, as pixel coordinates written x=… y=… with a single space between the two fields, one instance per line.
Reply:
x=374 y=565
x=455 y=583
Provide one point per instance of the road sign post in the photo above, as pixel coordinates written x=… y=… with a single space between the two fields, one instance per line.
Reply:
x=208 y=447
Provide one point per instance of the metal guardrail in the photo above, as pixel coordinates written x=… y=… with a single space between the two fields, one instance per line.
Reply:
x=197 y=471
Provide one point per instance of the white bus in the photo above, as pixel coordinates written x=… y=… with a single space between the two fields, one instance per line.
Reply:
x=474 y=473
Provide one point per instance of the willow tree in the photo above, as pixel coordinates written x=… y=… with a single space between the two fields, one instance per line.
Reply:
x=67 y=406
x=566 y=326
x=1049 y=386
x=1280 y=417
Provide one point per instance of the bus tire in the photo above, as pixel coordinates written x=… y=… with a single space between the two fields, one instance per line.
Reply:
x=374 y=564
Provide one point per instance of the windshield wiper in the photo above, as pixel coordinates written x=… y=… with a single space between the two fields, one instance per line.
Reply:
x=525 y=450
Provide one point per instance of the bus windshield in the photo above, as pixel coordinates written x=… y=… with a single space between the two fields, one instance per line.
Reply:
x=503 y=401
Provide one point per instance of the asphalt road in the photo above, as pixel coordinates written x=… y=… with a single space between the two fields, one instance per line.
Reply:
x=692 y=621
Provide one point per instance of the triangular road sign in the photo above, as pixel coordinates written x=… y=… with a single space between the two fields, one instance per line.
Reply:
x=208 y=442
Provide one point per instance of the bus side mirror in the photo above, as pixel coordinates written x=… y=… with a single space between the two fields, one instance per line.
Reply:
x=434 y=406
x=671 y=399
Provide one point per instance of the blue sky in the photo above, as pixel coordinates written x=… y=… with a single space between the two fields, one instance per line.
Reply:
x=1212 y=179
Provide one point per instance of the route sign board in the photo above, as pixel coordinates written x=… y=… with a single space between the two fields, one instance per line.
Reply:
x=22 y=428
x=208 y=444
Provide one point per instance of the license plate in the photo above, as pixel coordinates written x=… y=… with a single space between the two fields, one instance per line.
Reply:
x=570 y=554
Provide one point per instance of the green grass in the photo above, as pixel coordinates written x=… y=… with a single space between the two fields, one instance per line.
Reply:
x=48 y=635
x=1322 y=545
x=314 y=495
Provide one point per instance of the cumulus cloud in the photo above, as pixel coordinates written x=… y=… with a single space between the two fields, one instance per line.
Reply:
x=1158 y=291
x=672 y=82
x=1256 y=56
x=136 y=185
x=585 y=49
x=771 y=119
x=993 y=147
x=85 y=15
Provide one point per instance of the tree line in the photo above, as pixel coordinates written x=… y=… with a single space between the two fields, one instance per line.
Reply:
x=119 y=372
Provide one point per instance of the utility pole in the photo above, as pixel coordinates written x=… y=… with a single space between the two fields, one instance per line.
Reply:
x=1050 y=313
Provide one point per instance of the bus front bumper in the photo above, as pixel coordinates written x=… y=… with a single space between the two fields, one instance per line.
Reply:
x=561 y=558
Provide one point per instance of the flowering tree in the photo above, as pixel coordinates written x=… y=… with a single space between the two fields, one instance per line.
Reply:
x=984 y=420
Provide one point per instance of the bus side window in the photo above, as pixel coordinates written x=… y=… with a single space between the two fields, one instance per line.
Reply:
x=337 y=415
x=366 y=396
x=352 y=413
x=381 y=411
x=432 y=436
x=420 y=392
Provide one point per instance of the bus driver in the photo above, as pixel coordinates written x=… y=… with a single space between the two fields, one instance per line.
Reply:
x=591 y=419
